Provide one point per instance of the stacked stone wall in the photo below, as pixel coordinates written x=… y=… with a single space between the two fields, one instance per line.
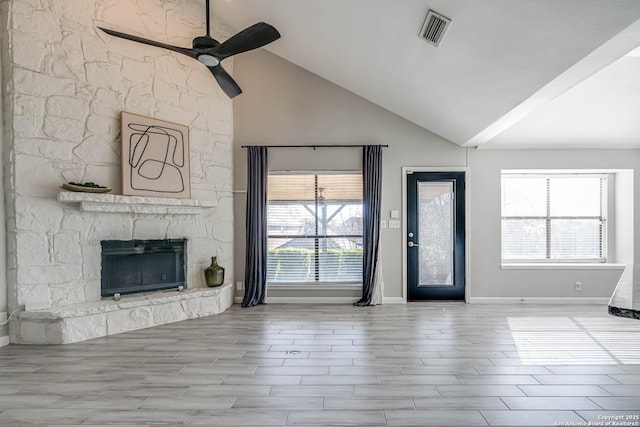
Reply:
x=66 y=84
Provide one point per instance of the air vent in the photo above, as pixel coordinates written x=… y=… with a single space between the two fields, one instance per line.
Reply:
x=435 y=25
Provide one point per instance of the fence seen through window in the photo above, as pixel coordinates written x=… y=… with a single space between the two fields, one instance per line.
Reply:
x=314 y=228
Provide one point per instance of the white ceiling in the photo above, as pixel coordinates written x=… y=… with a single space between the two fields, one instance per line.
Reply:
x=509 y=73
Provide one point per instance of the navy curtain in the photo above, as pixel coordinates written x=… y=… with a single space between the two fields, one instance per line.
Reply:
x=372 y=192
x=255 y=269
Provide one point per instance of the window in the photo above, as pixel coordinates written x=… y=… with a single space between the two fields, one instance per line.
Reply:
x=554 y=217
x=314 y=229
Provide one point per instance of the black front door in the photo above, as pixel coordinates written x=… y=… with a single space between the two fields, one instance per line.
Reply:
x=435 y=236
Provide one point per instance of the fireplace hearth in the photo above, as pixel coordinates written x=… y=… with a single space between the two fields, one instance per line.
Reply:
x=134 y=266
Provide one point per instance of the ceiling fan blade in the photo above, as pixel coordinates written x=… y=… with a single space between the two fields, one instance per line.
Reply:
x=182 y=50
x=250 y=38
x=226 y=82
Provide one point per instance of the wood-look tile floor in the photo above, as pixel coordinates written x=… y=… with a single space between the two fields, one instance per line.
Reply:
x=420 y=364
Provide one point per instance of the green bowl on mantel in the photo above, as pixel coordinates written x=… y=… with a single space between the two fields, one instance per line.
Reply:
x=83 y=189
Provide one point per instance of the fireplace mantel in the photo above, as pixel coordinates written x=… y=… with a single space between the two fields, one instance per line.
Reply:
x=115 y=203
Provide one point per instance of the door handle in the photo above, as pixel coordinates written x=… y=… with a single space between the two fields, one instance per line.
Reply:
x=411 y=244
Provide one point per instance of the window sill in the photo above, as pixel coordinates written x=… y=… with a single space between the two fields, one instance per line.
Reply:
x=318 y=287
x=562 y=266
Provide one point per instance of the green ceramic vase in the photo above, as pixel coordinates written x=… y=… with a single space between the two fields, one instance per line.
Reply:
x=214 y=274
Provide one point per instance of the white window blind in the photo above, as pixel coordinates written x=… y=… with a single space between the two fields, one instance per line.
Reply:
x=314 y=228
x=554 y=217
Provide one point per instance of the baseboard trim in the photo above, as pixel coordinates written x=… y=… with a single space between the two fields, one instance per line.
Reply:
x=305 y=300
x=4 y=340
x=537 y=300
x=311 y=300
x=472 y=300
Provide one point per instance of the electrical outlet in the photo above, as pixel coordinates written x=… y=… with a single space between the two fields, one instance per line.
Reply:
x=383 y=223
x=578 y=286
x=394 y=223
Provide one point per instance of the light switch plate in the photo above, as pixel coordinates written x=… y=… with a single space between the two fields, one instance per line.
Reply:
x=394 y=223
x=395 y=213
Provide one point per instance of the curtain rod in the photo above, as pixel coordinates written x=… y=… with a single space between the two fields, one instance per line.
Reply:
x=314 y=146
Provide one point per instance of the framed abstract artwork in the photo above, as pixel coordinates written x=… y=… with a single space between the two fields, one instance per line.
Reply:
x=155 y=158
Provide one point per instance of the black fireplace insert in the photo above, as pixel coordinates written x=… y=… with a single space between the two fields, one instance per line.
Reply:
x=132 y=266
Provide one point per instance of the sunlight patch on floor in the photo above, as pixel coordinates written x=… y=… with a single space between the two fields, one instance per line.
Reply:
x=556 y=341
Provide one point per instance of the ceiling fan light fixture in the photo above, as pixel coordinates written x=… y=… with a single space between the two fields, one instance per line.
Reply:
x=209 y=60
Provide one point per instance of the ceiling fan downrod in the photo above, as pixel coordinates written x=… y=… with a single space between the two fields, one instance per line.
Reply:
x=208 y=19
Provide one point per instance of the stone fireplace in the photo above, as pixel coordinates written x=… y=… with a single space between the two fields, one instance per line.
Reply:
x=66 y=85
x=68 y=305
x=135 y=266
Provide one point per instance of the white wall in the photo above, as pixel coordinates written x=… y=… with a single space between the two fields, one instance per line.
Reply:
x=4 y=331
x=285 y=104
x=488 y=279
x=623 y=245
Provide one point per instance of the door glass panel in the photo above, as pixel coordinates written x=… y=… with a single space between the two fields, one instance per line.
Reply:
x=436 y=233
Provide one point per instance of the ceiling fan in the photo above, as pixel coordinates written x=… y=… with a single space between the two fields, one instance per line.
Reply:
x=210 y=52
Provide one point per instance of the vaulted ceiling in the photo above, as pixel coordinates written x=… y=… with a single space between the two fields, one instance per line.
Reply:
x=508 y=73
